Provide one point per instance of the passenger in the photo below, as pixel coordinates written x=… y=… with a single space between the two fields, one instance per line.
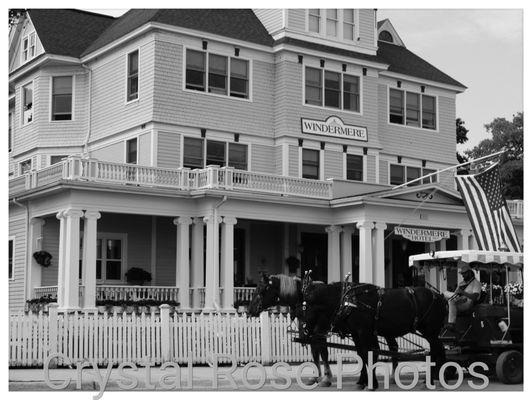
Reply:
x=465 y=295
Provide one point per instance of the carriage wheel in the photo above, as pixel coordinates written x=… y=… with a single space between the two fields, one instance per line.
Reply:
x=509 y=367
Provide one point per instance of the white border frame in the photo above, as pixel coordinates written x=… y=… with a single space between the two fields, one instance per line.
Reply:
x=138 y=76
x=339 y=26
x=135 y=137
x=50 y=105
x=125 y=265
x=420 y=127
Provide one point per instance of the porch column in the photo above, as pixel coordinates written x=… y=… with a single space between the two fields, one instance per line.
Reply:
x=212 y=281
x=433 y=273
x=182 y=267
x=378 y=254
x=442 y=278
x=61 y=260
x=347 y=251
x=89 y=258
x=463 y=243
x=71 y=260
x=333 y=253
x=365 y=253
x=197 y=276
x=35 y=239
x=228 y=263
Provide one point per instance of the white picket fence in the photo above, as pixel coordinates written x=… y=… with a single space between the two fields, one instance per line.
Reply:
x=157 y=337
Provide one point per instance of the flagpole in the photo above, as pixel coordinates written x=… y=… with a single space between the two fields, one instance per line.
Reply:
x=450 y=168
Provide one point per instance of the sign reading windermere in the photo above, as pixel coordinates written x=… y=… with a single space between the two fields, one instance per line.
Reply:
x=421 y=234
x=334 y=126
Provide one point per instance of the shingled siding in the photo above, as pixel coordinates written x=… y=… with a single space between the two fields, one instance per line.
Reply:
x=168 y=150
x=50 y=243
x=293 y=161
x=334 y=164
x=17 y=230
x=371 y=172
x=271 y=18
x=165 y=252
x=262 y=158
x=175 y=105
x=114 y=152
x=26 y=137
x=366 y=28
x=418 y=143
x=296 y=19
x=110 y=112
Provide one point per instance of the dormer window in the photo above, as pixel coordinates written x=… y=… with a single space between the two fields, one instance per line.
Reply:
x=386 y=36
x=28 y=47
x=349 y=24
x=332 y=22
x=314 y=20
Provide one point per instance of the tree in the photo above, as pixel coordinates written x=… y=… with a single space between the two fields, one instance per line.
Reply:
x=14 y=15
x=461 y=138
x=506 y=135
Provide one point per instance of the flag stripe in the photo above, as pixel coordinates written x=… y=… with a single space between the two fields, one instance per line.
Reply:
x=491 y=230
x=475 y=216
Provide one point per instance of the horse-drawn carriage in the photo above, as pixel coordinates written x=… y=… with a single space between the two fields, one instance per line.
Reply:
x=492 y=330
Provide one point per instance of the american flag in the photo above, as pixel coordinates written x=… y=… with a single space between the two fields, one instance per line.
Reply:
x=487 y=210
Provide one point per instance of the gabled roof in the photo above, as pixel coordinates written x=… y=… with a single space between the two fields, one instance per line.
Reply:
x=403 y=61
x=240 y=24
x=68 y=32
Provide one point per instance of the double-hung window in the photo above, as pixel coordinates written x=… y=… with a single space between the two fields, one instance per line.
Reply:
x=110 y=257
x=217 y=74
x=131 y=151
x=314 y=20
x=61 y=98
x=311 y=164
x=216 y=152
x=412 y=109
x=10 y=260
x=193 y=153
x=25 y=166
x=133 y=75
x=349 y=24
x=27 y=103
x=10 y=132
x=332 y=21
x=332 y=89
x=56 y=159
x=28 y=47
x=400 y=174
x=238 y=156
x=354 y=167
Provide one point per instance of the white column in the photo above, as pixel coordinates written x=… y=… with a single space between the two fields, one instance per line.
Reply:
x=71 y=260
x=365 y=253
x=463 y=243
x=197 y=276
x=35 y=271
x=227 y=279
x=432 y=276
x=442 y=275
x=89 y=258
x=212 y=278
x=61 y=260
x=379 y=277
x=333 y=253
x=182 y=260
x=347 y=251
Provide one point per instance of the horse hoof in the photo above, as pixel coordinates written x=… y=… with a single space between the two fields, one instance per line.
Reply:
x=325 y=383
x=361 y=386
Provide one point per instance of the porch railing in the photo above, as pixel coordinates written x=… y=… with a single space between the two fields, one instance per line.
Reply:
x=75 y=168
x=515 y=207
x=244 y=293
x=126 y=292
x=45 y=291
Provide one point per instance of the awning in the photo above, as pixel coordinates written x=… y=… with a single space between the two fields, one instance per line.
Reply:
x=468 y=256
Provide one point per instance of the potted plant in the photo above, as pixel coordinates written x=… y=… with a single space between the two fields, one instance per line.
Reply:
x=241 y=306
x=516 y=293
x=102 y=305
x=129 y=306
x=117 y=306
x=142 y=307
x=137 y=276
x=40 y=304
x=153 y=305
x=172 y=303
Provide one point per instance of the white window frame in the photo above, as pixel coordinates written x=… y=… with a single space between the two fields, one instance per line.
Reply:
x=342 y=73
x=411 y=165
x=23 y=100
x=29 y=36
x=364 y=165
x=114 y=236
x=355 y=25
x=404 y=125
x=56 y=155
x=321 y=157
x=125 y=149
x=339 y=27
x=226 y=157
x=50 y=108
x=320 y=21
x=127 y=76
x=20 y=166
x=206 y=91
x=336 y=22
x=11 y=239
x=11 y=127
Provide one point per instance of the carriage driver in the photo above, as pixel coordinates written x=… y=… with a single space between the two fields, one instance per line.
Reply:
x=465 y=295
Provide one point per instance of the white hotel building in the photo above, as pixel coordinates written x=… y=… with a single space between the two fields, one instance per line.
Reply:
x=207 y=146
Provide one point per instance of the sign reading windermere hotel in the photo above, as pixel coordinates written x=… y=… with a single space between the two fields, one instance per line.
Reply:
x=334 y=126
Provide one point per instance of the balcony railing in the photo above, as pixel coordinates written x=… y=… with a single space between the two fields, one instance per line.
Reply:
x=213 y=177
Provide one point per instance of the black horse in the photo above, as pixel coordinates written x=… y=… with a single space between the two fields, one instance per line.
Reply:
x=365 y=311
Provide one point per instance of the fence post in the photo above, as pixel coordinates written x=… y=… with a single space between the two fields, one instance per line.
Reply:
x=52 y=326
x=265 y=338
x=165 y=332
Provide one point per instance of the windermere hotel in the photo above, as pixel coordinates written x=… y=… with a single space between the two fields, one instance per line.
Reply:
x=207 y=146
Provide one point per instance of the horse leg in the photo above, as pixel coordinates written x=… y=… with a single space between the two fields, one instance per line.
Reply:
x=315 y=350
x=362 y=351
x=437 y=355
x=393 y=347
x=327 y=373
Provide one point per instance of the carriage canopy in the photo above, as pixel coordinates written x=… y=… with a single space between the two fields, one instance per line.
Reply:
x=482 y=258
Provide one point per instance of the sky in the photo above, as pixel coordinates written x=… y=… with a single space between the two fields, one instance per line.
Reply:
x=481 y=48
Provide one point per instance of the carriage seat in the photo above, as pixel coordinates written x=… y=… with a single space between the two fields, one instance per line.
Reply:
x=480 y=301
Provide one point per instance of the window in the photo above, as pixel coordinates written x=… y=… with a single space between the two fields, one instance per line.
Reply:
x=10 y=262
x=215 y=153
x=386 y=36
x=397 y=174
x=417 y=114
x=339 y=90
x=10 y=132
x=413 y=173
x=430 y=179
x=429 y=112
x=133 y=75
x=220 y=68
x=239 y=78
x=28 y=47
x=354 y=167
x=412 y=109
x=314 y=20
x=61 y=98
x=396 y=106
x=193 y=153
x=56 y=159
x=311 y=164
x=332 y=21
x=110 y=257
x=238 y=156
x=27 y=103
x=351 y=93
x=195 y=74
x=25 y=166
x=131 y=151
x=400 y=174
x=349 y=24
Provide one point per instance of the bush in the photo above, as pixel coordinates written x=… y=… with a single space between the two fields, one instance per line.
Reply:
x=137 y=275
